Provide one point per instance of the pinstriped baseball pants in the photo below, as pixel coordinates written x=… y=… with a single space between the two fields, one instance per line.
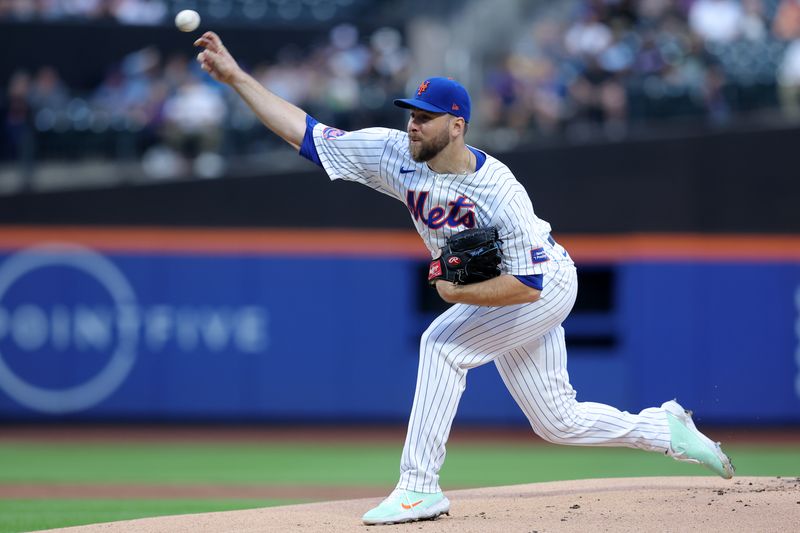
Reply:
x=526 y=342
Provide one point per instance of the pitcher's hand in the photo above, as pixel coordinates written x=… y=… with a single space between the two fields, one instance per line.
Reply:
x=215 y=59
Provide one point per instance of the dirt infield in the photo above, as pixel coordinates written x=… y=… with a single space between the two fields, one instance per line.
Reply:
x=665 y=504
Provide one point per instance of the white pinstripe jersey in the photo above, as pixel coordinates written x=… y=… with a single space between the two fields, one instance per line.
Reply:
x=444 y=204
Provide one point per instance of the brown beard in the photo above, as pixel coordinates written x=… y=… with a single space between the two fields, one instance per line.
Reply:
x=428 y=150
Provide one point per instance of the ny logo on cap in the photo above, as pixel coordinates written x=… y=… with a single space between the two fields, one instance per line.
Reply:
x=423 y=87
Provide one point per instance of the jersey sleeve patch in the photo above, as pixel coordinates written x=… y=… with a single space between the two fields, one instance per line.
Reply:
x=332 y=133
x=538 y=255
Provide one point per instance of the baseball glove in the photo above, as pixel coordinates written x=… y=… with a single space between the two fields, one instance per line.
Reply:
x=469 y=256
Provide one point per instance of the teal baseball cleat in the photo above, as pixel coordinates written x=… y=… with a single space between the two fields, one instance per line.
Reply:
x=688 y=444
x=408 y=506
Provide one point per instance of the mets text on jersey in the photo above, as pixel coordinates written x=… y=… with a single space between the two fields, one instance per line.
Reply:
x=439 y=216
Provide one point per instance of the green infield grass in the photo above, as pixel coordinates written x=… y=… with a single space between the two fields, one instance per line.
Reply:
x=352 y=464
x=28 y=515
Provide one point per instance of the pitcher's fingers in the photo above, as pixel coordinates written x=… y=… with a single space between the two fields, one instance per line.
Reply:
x=206 y=59
x=207 y=40
x=214 y=40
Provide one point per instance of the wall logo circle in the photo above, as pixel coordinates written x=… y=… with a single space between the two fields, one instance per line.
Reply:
x=42 y=329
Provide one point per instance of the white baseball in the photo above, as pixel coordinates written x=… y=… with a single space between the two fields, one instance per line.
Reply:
x=187 y=20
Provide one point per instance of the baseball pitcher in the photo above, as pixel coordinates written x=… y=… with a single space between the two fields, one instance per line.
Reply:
x=511 y=283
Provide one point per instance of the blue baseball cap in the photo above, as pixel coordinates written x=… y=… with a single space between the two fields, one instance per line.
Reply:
x=439 y=95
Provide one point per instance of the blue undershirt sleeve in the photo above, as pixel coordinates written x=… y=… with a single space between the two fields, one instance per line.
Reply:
x=536 y=281
x=308 y=149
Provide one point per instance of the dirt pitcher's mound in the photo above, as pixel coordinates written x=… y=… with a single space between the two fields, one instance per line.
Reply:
x=663 y=504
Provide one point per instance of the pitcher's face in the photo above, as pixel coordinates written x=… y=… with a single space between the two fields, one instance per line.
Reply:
x=428 y=134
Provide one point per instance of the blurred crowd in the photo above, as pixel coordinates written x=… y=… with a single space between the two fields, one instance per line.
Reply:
x=605 y=66
x=580 y=69
x=143 y=12
x=154 y=12
x=170 y=112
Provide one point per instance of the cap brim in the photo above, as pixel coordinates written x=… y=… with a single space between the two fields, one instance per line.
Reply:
x=412 y=103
